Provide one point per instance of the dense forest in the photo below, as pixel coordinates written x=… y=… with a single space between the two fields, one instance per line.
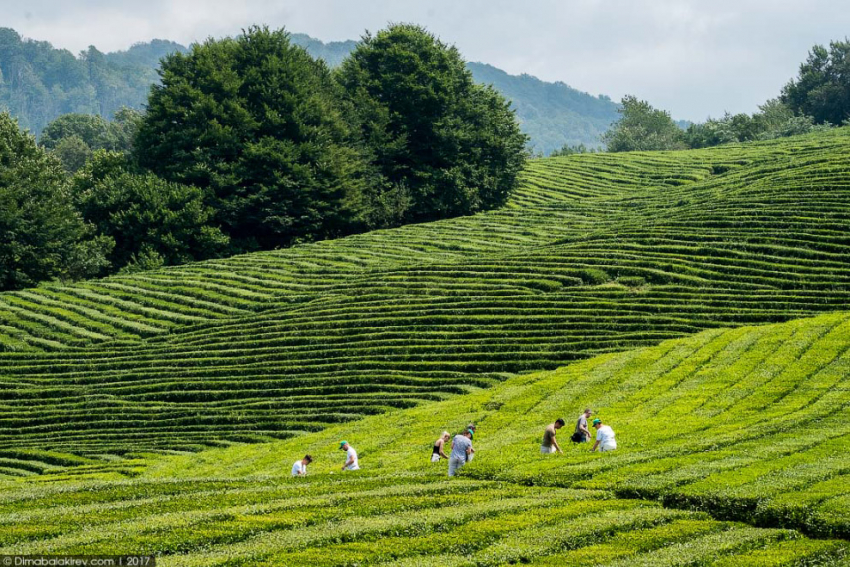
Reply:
x=250 y=143
x=39 y=83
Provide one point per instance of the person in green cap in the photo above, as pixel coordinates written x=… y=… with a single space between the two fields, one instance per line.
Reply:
x=351 y=463
x=473 y=428
x=604 y=437
x=461 y=451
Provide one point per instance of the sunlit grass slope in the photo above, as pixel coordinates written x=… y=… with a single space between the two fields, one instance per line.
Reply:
x=595 y=254
x=733 y=445
x=750 y=423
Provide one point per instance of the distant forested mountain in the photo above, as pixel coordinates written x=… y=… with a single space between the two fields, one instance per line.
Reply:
x=332 y=52
x=39 y=83
x=145 y=54
x=553 y=114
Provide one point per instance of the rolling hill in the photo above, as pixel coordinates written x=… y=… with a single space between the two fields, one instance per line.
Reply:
x=696 y=300
x=596 y=254
x=732 y=446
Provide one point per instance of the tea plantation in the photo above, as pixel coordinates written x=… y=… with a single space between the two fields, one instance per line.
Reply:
x=596 y=253
x=696 y=300
x=732 y=451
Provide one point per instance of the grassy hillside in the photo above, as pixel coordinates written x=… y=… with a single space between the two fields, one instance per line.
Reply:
x=732 y=443
x=596 y=254
x=752 y=424
x=629 y=283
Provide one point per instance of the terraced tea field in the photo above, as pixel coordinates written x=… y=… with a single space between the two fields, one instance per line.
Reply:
x=596 y=254
x=387 y=521
x=752 y=424
x=733 y=451
x=696 y=300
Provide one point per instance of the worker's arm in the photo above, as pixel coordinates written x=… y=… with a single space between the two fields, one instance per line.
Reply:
x=583 y=429
x=350 y=461
x=442 y=452
x=555 y=443
x=595 y=445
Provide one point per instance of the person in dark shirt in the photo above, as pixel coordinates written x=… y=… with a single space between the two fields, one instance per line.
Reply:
x=550 y=444
x=438 y=452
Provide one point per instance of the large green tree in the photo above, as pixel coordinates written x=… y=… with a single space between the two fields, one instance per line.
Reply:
x=147 y=217
x=42 y=236
x=259 y=125
x=643 y=128
x=73 y=137
x=453 y=146
x=822 y=88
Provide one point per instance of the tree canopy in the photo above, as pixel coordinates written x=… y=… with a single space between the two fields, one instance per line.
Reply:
x=643 y=128
x=822 y=87
x=42 y=236
x=453 y=146
x=256 y=123
x=145 y=215
x=73 y=137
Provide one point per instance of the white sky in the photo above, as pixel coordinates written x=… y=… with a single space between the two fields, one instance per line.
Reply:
x=692 y=57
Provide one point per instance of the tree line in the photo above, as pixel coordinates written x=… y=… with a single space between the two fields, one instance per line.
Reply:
x=818 y=98
x=248 y=143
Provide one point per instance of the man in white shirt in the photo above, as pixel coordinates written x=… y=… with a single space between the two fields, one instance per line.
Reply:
x=351 y=463
x=299 y=468
x=604 y=437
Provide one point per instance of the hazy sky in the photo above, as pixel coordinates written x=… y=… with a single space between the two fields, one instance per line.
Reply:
x=692 y=57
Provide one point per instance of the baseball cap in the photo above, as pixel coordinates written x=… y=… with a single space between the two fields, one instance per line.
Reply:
x=341 y=443
x=597 y=420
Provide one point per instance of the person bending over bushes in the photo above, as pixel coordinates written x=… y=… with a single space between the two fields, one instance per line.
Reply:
x=582 y=434
x=604 y=437
x=438 y=452
x=550 y=444
x=351 y=463
x=299 y=468
x=461 y=451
